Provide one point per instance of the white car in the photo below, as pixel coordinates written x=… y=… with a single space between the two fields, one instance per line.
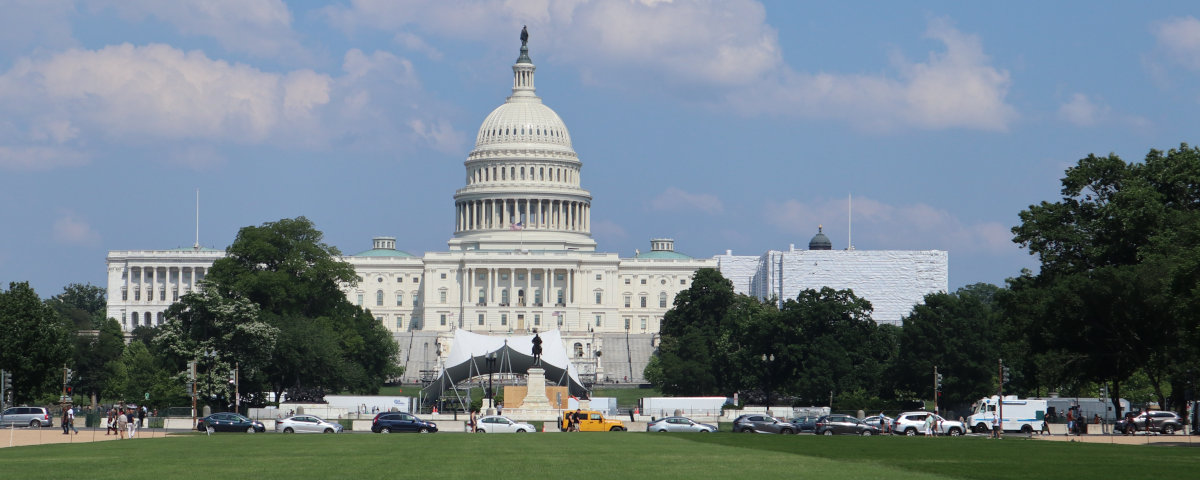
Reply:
x=306 y=424
x=499 y=424
x=913 y=423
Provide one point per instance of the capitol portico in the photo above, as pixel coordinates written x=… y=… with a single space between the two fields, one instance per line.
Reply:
x=522 y=257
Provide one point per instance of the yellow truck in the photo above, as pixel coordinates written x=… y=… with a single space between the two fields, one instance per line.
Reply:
x=589 y=421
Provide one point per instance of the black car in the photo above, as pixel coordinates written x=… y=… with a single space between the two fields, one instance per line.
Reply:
x=229 y=422
x=761 y=423
x=845 y=425
x=388 y=422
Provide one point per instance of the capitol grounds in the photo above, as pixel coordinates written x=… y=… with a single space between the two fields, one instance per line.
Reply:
x=157 y=454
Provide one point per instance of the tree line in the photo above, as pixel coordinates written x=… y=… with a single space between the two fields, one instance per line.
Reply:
x=272 y=308
x=1115 y=304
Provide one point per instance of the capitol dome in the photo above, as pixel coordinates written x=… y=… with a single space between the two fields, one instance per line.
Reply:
x=523 y=122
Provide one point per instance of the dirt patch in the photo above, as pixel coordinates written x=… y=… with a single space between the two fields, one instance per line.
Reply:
x=16 y=437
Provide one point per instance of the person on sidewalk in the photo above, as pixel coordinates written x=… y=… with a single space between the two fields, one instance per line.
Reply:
x=71 y=420
x=121 y=425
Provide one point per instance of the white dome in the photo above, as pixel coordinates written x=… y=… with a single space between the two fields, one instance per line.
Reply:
x=523 y=121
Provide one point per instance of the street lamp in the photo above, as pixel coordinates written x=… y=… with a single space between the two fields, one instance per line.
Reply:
x=767 y=360
x=491 y=363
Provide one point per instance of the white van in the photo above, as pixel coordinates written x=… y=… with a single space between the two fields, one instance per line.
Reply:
x=1019 y=415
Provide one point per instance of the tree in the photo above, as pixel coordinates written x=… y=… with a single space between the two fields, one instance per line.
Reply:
x=959 y=334
x=1116 y=278
x=35 y=343
x=83 y=305
x=702 y=349
x=94 y=358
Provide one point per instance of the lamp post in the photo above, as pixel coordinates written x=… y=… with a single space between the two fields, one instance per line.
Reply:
x=491 y=363
x=767 y=360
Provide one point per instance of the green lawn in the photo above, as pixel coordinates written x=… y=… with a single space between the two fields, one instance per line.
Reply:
x=593 y=456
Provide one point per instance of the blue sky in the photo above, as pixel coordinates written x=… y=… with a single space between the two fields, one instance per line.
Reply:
x=727 y=125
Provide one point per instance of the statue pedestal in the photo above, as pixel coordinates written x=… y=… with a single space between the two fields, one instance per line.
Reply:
x=535 y=390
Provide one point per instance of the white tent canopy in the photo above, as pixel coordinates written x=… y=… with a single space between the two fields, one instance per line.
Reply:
x=513 y=354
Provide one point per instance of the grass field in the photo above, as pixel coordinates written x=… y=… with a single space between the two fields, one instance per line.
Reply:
x=593 y=456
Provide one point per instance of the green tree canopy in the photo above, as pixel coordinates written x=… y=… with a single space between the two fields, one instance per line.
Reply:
x=35 y=343
x=960 y=334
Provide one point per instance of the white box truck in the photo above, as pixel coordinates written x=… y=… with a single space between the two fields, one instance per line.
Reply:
x=1020 y=415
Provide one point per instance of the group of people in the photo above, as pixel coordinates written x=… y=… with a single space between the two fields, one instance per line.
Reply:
x=574 y=419
x=125 y=420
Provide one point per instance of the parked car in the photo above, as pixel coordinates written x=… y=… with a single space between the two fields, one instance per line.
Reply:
x=679 y=424
x=590 y=421
x=229 y=422
x=22 y=416
x=499 y=424
x=1159 y=421
x=388 y=422
x=762 y=423
x=306 y=424
x=806 y=423
x=913 y=423
x=844 y=425
x=888 y=422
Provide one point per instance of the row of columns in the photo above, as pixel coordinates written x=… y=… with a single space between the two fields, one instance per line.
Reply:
x=157 y=283
x=511 y=172
x=493 y=287
x=539 y=214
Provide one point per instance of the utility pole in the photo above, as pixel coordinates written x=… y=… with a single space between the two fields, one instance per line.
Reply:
x=192 y=378
x=937 y=389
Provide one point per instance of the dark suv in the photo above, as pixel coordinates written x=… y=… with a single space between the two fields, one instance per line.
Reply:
x=388 y=422
x=22 y=416
x=762 y=423
x=844 y=425
x=1160 y=421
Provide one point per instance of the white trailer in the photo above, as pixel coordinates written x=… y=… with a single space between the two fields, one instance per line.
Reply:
x=668 y=406
x=1019 y=415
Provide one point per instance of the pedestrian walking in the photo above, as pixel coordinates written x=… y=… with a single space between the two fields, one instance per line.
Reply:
x=142 y=417
x=121 y=425
x=131 y=423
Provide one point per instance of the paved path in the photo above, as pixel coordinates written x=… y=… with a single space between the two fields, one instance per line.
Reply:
x=15 y=437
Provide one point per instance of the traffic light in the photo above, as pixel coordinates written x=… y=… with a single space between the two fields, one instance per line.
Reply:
x=192 y=371
x=939 y=382
x=232 y=376
x=69 y=389
x=7 y=380
x=1103 y=391
x=1007 y=375
x=69 y=374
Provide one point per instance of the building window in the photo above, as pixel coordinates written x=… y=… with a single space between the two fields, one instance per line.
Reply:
x=481 y=276
x=159 y=318
x=560 y=319
x=137 y=295
x=482 y=296
x=174 y=295
x=537 y=298
x=628 y=298
x=579 y=350
x=162 y=295
x=360 y=299
x=599 y=297
x=399 y=278
x=504 y=276
x=416 y=299
x=416 y=323
x=643 y=281
x=481 y=319
x=643 y=323
x=683 y=281
x=537 y=276
x=599 y=321
x=147 y=316
x=560 y=297
x=124 y=294
x=558 y=276
x=379 y=318
x=442 y=296
x=662 y=300
x=627 y=281
x=442 y=320
x=627 y=320
x=503 y=319
x=504 y=297
x=379 y=279
x=399 y=322
x=520 y=276
x=443 y=276
x=537 y=320
x=399 y=299
x=379 y=298
x=643 y=300
x=599 y=277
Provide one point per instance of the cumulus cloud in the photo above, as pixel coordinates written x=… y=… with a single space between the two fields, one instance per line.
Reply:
x=1082 y=111
x=258 y=27
x=71 y=230
x=674 y=199
x=878 y=225
x=954 y=88
x=1180 y=37
x=138 y=95
x=726 y=46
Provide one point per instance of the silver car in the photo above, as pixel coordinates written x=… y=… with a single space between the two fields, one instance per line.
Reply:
x=306 y=424
x=679 y=424
x=499 y=424
x=26 y=416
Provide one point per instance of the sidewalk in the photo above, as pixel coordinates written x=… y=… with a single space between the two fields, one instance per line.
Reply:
x=16 y=437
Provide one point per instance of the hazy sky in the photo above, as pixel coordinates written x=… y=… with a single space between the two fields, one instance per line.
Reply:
x=726 y=125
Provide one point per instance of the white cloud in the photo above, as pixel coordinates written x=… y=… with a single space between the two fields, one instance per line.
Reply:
x=258 y=27
x=880 y=226
x=36 y=157
x=70 y=230
x=674 y=199
x=726 y=46
x=1180 y=37
x=955 y=88
x=1082 y=111
x=141 y=95
x=412 y=42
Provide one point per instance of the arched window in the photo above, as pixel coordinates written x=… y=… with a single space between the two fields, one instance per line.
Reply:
x=379 y=298
x=578 y=350
x=133 y=319
x=147 y=316
x=662 y=300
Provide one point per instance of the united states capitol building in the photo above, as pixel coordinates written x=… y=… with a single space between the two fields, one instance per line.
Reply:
x=522 y=257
